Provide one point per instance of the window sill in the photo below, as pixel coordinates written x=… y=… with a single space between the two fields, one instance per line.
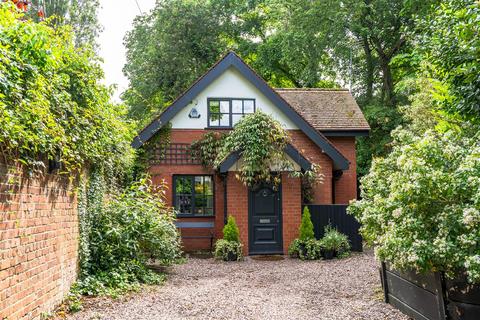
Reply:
x=219 y=128
x=193 y=216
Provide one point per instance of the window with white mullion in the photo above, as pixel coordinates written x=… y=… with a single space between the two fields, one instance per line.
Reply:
x=237 y=109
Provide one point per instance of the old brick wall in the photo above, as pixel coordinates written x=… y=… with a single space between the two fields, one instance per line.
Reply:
x=237 y=204
x=291 y=209
x=163 y=174
x=38 y=243
x=346 y=186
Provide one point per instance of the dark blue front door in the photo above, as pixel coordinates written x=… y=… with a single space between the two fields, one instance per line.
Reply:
x=265 y=220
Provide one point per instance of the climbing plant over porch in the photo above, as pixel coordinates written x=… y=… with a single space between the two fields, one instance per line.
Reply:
x=261 y=141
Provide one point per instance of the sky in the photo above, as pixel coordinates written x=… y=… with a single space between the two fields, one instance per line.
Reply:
x=116 y=20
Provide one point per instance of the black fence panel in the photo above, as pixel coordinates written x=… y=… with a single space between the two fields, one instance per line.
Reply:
x=336 y=215
x=431 y=296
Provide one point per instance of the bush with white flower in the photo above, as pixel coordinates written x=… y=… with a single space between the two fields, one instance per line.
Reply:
x=420 y=205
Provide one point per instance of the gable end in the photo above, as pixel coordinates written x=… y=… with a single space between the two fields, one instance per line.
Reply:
x=231 y=59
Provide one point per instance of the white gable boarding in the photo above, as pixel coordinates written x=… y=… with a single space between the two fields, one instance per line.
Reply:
x=231 y=84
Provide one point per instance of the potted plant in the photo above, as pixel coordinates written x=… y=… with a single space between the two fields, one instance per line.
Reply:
x=305 y=247
x=229 y=248
x=334 y=243
x=328 y=246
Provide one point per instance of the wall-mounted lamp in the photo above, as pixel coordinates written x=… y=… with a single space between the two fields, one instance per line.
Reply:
x=194 y=113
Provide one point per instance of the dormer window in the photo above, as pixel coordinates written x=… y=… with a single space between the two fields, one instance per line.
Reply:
x=226 y=112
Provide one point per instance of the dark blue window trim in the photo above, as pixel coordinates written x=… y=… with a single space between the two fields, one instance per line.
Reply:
x=193 y=194
x=232 y=60
x=230 y=111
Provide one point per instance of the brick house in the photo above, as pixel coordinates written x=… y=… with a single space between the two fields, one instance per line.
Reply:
x=323 y=124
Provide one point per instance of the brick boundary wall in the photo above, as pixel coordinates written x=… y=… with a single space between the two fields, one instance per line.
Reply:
x=39 y=236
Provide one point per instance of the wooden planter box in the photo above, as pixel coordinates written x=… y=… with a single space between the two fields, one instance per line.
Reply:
x=430 y=296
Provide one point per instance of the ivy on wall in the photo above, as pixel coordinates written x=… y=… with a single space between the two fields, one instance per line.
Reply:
x=261 y=141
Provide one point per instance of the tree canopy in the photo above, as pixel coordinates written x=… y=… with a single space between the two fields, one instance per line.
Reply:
x=52 y=102
x=81 y=15
x=293 y=43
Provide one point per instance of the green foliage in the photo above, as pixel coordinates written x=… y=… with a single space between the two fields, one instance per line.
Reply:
x=335 y=240
x=133 y=226
x=310 y=249
x=207 y=148
x=80 y=15
x=306 y=247
x=228 y=250
x=294 y=248
x=260 y=140
x=167 y=50
x=420 y=205
x=306 y=226
x=122 y=230
x=230 y=230
x=451 y=45
x=213 y=148
x=114 y=283
x=52 y=102
x=382 y=121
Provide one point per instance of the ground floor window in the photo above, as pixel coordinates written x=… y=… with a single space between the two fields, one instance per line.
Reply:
x=193 y=195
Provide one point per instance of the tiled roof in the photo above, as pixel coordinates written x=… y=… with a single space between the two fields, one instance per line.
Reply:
x=326 y=109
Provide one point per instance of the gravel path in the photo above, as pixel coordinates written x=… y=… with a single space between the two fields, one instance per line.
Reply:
x=252 y=289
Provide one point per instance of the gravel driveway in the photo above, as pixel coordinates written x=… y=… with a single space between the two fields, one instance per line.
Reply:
x=252 y=289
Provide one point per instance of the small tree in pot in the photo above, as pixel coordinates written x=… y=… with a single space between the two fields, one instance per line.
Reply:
x=305 y=247
x=229 y=248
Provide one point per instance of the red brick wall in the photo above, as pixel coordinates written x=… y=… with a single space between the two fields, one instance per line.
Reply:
x=237 y=204
x=291 y=209
x=346 y=186
x=164 y=174
x=38 y=244
x=323 y=191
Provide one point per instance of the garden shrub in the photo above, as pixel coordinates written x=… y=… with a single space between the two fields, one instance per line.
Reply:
x=230 y=230
x=336 y=241
x=306 y=226
x=229 y=248
x=420 y=205
x=305 y=247
x=294 y=248
x=310 y=249
x=126 y=230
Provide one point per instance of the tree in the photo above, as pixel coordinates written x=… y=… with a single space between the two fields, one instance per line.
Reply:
x=52 y=104
x=306 y=226
x=450 y=46
x=167 y=50
x=420 y=205
x=80 y=14
x=381 y=27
